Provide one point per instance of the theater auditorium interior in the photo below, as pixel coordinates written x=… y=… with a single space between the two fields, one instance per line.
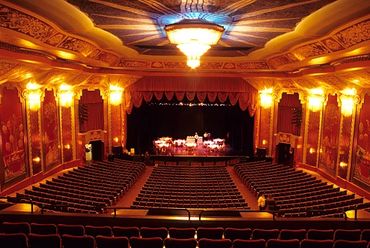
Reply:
x=185 y=123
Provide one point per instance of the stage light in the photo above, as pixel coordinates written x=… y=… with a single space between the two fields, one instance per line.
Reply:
x=33 y=94
x=315 y=99
x=65 y=95
x=115 y=94
x=266 y=98
x=348 y=101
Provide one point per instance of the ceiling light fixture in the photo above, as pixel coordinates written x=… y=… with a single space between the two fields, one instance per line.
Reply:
x=194 y=38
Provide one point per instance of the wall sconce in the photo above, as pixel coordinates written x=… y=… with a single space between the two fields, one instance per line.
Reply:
x=115 y=94
x=33 y=94
x=266 y=98
x=65 y=95
x=348 y=101
x=315 y=99
x=116 y=139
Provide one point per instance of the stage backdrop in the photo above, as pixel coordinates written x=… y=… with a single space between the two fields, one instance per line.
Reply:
x=50 y=129
x=12 y=135
x=330 y=136
x=155 y=119
x=361 y=171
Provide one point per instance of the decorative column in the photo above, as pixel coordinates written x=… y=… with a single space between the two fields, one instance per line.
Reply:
x=116 y=118
x=266 y=116
x=348 y=101
x=33 y=94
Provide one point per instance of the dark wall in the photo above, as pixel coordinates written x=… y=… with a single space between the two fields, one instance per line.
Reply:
x=154 y=120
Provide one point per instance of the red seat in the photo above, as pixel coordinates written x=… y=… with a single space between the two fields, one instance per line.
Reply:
x=214 y=243
x=350 y=244
x=365 y=235
x=122 y=231
x=98 y=230
x=151 y=232
x=111 y=242
x=299 y=234
x=278 y=243
x=238 y=233
x=343 y=234
x=44 y=240
x=15 y=227
x=43 y=228
x=309 y=243
x=181 y=233
x=251 y=243
x=210 y=232
x=180 y=243
x=76 y=230
x=320 y=234
x=265 y=234
x=136 y=242
x=13 y=240
x=71 y=241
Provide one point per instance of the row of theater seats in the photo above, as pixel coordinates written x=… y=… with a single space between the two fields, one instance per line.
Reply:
x=185 y=186
x=50 y=235
x=296 y=193
x=87 y=189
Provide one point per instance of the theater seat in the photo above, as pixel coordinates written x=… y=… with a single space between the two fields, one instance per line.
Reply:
x=350 y=244
x=180 y=243
x=13 y=240
x=365 y=235
x=343 y=234
x=122 y=231
x=237 y=233
x=320 y=234
x=98 y=230
x=151 y=232
x=292 y=234
x=71 y=241
x=210 y=232
x=310 y=243
x=44 y=240
x=76 y=230
x=265 y=234
x=215 y=243
x=43 y=228
x=136 y=242
x=181 y=233
x=15 y=227
x=278 y=243
x=111 y=242
x=251 y=243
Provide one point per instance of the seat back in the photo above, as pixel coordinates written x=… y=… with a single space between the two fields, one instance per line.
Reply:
x=292 y=234
x=136 y=242
x=214 y=243
x=71 y=241
x=365 y=235
x=44 y=240
x=309 y=243
x=43 y=228
x=265 y=234
x=75 y=230
x=151 y=232
x=181 y=233
x=278 y=243
x=251 y=243
x=343 y=234
x=111 y=242
x=98 y=230
x=350 y=244
x=180 y=243
x=122 y=231
x=320 y=234
x=237 y=233
x=13 y=240
x=15 y=227
x=210 y=232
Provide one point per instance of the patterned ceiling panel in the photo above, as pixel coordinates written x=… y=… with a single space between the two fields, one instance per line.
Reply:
x=248 y=24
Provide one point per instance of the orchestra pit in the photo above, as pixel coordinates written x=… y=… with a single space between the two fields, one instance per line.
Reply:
x=185 y=124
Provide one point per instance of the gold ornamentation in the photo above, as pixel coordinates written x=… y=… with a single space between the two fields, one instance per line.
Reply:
x=332 y=44
x=354 y=34
x=6 y=67
x=77 y=45
x=252 y=65
x=311 y=50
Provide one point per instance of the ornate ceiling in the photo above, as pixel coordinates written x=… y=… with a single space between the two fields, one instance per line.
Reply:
x=289 y=43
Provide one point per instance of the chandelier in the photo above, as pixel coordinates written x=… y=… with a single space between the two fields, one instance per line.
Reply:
x=194 y=37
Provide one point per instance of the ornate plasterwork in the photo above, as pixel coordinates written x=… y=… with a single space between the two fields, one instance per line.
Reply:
x=40 y=30
x=336 y=41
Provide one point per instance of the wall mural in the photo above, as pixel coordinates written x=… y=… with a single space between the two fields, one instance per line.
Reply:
x=66 y=117
x=313 y=137
x=330 y=136
x=361 y=170
x=36 y=143
x=52 y=155
x=12 y=135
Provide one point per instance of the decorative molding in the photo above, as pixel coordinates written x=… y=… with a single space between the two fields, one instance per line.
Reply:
x=334 y=42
